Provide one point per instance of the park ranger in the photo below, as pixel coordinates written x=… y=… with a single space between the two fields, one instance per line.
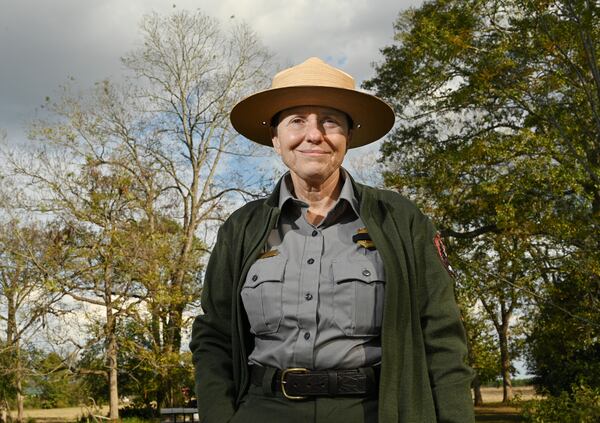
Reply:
x=328 y=301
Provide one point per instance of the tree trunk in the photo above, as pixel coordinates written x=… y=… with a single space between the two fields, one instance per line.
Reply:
x=19 y=383
x=477 y=397
x=507 y=393
x=113 y=388
x=111 y=361
x=20 y=411
x=14 y=347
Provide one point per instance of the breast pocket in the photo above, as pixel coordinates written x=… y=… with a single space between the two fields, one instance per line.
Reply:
x=358 y=296
x=261 y=295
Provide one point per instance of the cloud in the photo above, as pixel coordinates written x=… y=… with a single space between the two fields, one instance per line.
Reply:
x=44 y=42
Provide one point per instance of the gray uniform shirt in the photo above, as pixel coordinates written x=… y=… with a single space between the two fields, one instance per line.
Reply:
x=315 y=298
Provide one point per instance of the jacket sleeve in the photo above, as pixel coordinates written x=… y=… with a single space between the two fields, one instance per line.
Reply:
x=211 y=339
x=443 y=332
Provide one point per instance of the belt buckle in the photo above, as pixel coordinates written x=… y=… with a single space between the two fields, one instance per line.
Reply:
x=282 y=380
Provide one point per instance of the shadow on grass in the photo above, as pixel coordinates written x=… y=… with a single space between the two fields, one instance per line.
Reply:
x=498 y=413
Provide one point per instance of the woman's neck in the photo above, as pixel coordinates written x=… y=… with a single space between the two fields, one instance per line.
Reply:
x=320 y=196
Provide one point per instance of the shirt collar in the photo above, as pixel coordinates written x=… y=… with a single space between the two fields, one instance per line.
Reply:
x=347 y=192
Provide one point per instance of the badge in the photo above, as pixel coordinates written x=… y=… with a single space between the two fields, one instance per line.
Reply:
x=267 y=254
x=363 y=239
x=441 y=249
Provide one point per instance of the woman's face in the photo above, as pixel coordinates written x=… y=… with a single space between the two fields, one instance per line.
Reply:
x=312 y=141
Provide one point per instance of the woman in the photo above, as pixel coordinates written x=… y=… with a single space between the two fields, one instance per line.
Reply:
x=329 y=300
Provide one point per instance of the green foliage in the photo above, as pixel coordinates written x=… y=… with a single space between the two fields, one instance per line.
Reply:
x=7 y=377
x=148 y=370
x=488 y=133
x=92 y=374
x=51 y=385
x=133 y=414
x=498 y=138
x=561 y=348
x=484 y=355
x=581 y=405
x=137 y=420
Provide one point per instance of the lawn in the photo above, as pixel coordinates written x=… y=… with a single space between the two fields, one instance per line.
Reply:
x=492 y=411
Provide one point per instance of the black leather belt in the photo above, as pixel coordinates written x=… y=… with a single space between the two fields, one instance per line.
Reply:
x=299 y=383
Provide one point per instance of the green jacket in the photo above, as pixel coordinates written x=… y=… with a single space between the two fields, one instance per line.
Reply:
x=423 y=375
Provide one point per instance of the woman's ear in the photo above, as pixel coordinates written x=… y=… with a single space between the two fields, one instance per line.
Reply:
x=275 y=140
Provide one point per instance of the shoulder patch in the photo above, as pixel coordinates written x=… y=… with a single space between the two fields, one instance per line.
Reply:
x=441 y=249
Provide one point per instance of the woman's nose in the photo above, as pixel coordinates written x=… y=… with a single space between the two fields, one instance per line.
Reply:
x=314 y=131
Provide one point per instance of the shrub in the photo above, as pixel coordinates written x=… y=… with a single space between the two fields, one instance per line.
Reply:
x=138 y=420
x=143 y=413
x=581 y=405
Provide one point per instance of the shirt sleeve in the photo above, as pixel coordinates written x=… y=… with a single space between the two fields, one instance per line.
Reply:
x=211 y=339
x=443 y=331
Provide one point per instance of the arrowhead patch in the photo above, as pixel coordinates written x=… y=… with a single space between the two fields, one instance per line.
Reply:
x=441 y=249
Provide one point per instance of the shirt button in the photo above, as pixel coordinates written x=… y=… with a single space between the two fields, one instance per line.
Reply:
x=315 y=233
x=366 y=272
x=308 y=296
x=254 y=278
x=307 y=336
x=310 y=261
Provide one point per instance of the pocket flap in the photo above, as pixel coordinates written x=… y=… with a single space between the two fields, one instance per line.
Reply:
x=363 y=270
x=268 y=269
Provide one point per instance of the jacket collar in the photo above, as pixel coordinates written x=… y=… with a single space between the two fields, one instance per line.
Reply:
x=273 y=198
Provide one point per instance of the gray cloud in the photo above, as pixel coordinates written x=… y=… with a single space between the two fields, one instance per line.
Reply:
x=42 y=42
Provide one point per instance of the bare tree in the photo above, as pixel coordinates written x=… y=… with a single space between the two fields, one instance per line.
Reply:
x=133 y=171
x=193 y=74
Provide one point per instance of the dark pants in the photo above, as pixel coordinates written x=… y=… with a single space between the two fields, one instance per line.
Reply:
x=260 y=407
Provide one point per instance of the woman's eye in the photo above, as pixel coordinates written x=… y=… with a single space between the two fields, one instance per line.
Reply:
x=330 y=122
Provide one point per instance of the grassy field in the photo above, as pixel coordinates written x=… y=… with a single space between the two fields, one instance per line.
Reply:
x=61 y=414
x=492 y=412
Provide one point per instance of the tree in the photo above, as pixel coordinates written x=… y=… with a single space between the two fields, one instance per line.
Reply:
x=52 y=383
x=483 y=354
x=495 y=271
x=561 y=348
x=499 y=130
x=25 y=300
x=135 y=171
x=483 y=351
x=191 y=74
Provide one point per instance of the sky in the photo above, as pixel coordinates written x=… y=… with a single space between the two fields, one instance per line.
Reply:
x=44 y=42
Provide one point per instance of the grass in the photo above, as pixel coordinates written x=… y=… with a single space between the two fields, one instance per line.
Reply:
x=493 y=411
x=497 y=413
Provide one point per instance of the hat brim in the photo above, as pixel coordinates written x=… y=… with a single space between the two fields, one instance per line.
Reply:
x=372 y=117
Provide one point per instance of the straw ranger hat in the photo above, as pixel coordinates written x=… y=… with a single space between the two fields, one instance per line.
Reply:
x=313 y=83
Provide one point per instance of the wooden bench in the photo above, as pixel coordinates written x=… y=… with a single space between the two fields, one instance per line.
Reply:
x=181 y=414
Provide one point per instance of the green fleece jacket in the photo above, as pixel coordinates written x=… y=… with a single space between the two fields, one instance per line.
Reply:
x=423 y=374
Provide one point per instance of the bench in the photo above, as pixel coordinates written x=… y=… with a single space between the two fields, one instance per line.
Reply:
x=181 y=414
